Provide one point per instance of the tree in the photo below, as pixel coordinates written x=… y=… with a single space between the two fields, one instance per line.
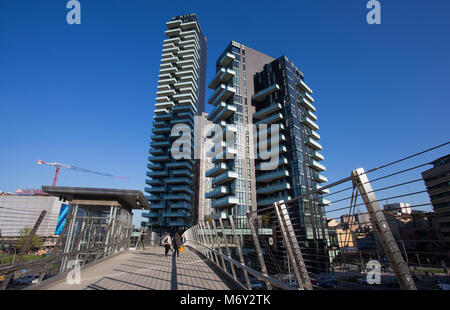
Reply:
x=36 y=242
x=265 y=219
x=208 y=218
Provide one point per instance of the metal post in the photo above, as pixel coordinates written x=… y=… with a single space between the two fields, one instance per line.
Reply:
x=220 y=247
x=258 y=248
x=383 y=230
x=227 y=248
x=212 y=243
x=203 y=240
x=292 y=248
x=239 y=249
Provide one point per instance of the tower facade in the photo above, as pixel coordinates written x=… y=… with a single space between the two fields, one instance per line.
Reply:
x=233 y=174
x=173 y=180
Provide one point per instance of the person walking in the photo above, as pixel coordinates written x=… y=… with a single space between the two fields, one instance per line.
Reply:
x=143 y=239
x=167 y=243
x=176 y=244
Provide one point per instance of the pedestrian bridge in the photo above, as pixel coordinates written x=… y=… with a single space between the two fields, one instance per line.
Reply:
x=147 y=269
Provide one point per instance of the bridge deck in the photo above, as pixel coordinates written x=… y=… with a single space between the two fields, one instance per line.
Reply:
x=148 y=270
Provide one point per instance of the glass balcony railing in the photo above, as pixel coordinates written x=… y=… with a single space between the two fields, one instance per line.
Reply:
x=277 y=187
x=224 y=202
x=219 y=191
x=272 y=175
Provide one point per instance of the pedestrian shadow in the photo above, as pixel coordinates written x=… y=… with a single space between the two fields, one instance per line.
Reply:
x=174 y=280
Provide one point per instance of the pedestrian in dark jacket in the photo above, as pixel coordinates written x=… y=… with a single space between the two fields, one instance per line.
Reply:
x=176 y=244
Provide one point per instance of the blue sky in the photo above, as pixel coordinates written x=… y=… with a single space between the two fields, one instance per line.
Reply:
x=84 y=94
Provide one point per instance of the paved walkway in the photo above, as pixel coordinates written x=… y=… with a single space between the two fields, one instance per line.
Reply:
x=148 y=270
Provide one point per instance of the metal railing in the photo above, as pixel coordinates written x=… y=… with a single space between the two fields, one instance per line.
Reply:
x=339 y=236
x=95 y=240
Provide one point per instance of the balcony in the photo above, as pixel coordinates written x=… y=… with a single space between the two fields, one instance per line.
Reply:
x=156 y=159
x=181 y=172
x=171 y=60
x=266 y=111
x=227 y=59
x=277 y=187
x=223 y=75
x=227 y=130
x=162 y=144
x=310 y=123
x=174 y=23
x=225 y=178
x=153 y=182
x=271 y=200
x=181 y=73
x=163 y=117
x=267 y=142
x=321 y=178
x=274 y=175
x=154 y=166
x=172 y=40
x=173 y=32
x=317 y=156
x=156 y=189
x=218 y=169
x=222 y=93
x=316 y=166
x=270 y=119
x=309 y=98
x=312 y=143
x=161 y=130
x=168 y=70
x=190 y=25
x=178 y=223
x=180 y=164
x=160 y=124
x=180 y=205
x=312 y=115
x=315 y=135
x=165 y=105
x=224 y=202
x=157 y=174
x=223 y=109
x=156 y=152
x=178 y=197
x=225 y=113
x=162 y=99
x=219 y=191
x=261 y=95
x=322 y=191
x=150 y=214
x=307 y=104
x=228 y=153
x=176 y=214
x=324 y=202
x=303 y=86
x=183 y=189
x=161 y=111
x=261 y=131
x=282 y=161
x=179 y=181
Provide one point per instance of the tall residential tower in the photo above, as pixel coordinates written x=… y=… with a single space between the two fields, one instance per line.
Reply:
x=180 y=97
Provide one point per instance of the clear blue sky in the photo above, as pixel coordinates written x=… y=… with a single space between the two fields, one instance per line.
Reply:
x=84 y=94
